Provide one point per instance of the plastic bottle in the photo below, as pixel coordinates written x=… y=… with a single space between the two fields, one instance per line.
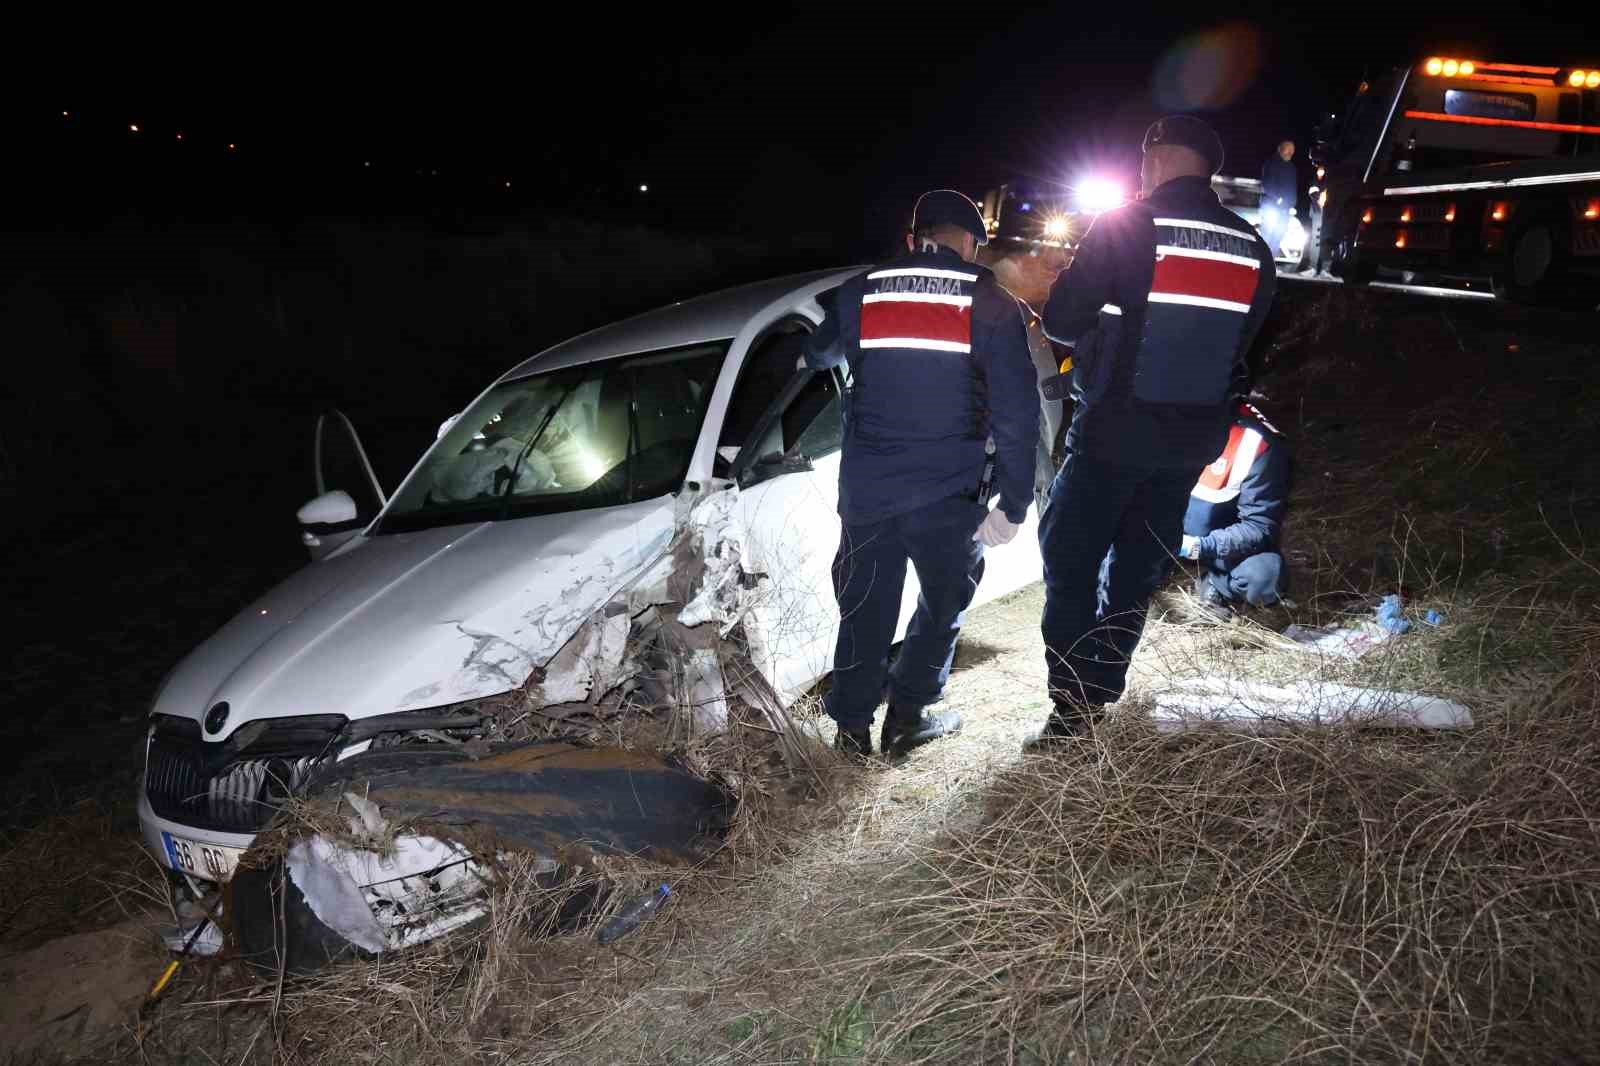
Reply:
x=633 y=915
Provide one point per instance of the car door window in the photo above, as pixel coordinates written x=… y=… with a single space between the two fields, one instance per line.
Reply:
x=814 y=423
x=767 y=369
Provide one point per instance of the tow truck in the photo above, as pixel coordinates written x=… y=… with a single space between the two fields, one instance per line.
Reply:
x=1455 y=170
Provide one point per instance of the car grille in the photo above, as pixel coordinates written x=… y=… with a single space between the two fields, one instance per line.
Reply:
x=228 y=787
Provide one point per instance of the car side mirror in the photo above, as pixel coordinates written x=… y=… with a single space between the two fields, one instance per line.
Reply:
x=330 y=509
x=328 y=521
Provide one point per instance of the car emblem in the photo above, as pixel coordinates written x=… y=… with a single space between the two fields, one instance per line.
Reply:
x=217 y=717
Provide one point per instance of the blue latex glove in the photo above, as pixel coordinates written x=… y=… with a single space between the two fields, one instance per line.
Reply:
x=1190 y=549
x=1389 y=615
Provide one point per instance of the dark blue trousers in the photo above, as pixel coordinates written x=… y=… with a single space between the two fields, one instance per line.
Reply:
x=1256 y=579
x=869 y=574
x=1108 y=537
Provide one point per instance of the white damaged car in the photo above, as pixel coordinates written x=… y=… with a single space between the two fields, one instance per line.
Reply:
x=672 y=470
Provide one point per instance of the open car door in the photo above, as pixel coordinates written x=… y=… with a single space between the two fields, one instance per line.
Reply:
x=780 y=443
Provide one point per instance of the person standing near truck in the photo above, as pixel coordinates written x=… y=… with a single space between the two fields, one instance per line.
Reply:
x=1280 y=191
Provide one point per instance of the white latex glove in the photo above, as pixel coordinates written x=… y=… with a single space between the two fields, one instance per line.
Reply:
x=996 y=530
x=1191 y=545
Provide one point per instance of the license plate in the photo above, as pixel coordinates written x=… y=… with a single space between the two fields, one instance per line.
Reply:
x=210 y=861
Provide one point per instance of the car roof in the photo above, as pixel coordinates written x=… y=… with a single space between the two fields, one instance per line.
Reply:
x=716 y=316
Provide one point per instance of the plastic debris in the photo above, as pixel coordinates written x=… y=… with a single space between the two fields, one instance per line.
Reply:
x=1433 y=618
x=1389 y=616
x=633 y=915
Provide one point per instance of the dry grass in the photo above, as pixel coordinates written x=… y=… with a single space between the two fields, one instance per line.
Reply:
x=72 y=871
x=1312 y=897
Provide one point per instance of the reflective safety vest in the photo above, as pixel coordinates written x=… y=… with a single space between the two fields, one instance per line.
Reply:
x=1219 y=482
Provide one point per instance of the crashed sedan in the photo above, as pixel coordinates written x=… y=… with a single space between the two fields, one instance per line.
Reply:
x=638 y=519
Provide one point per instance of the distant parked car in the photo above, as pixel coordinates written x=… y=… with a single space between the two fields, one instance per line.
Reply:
x=673 y=462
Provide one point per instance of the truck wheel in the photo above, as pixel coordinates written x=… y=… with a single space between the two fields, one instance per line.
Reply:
x=1534 y=268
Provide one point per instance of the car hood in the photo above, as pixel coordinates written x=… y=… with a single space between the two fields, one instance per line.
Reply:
x=413 y=620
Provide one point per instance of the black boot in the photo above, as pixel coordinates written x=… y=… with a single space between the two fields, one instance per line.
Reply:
x=1067 y=724
x=904 y=730
x=856 y=742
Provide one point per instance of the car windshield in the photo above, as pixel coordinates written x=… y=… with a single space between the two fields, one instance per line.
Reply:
x=595 y=435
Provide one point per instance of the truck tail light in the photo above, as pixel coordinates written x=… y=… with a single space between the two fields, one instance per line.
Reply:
x=1400 y=239
x=1366 y=216
x=1405 y=215
x=1591 y=210
x=1450 y=213
x=1500 y=210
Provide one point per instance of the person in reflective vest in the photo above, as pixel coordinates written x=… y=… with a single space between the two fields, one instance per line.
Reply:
x=1160 y=306
x=942 y=416
x=1235 y=516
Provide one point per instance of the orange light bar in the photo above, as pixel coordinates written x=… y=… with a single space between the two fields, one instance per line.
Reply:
x=1519 y=68
x=1509 y=79
x=1591 y=80
x=1475 y=120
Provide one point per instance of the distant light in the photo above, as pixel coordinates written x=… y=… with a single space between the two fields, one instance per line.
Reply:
x=1099 y=194
x=367 y=163
x=644 y=188
x=65 y=115
x=133 y=127
x=231 y=146
x=508 y=185
x=1055 y=228
x=179 y=136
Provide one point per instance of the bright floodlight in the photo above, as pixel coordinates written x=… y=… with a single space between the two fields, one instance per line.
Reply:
x=1099 y=194
x=1056 y=229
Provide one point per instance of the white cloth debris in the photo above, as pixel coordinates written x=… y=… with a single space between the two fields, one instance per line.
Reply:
x=1349 y=642
x=1254 y=707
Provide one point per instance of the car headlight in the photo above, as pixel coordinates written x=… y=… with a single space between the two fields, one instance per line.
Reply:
x=1294 y=235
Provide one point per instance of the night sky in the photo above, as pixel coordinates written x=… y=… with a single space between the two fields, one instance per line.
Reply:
x=822 y=119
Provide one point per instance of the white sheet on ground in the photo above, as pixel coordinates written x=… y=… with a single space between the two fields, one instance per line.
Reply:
x=1255 y=707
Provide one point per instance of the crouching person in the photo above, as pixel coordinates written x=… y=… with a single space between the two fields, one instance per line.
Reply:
x=939 y=365
x=1235 y=516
